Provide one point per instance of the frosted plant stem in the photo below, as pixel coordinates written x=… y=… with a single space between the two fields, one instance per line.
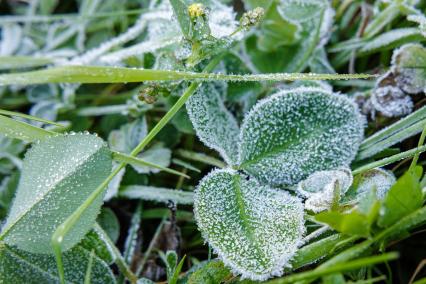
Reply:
x=315 y=234
x=389 y=160
x=89 y=268
x=65 y=227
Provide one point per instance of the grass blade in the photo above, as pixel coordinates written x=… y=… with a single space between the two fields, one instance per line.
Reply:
x=99 y=74
x=23 y=131
x=18 y=114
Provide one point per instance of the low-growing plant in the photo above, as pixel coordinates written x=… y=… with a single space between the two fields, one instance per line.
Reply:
x=304 y=192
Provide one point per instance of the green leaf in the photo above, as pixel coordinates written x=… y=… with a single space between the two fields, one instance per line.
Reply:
x=409 y=67
x=158 y=194
x=180 y=9
x=8 y=187
x=171 y=263
x=295 y=133
x=109 y=222
x=353 y=223
x=17 y=266
x=404 y=197
x=58 y=175
x=254 y=229
x=213 y=123
x=94 y=240
x=211 y=273
x=18 y=62
x=20 y=130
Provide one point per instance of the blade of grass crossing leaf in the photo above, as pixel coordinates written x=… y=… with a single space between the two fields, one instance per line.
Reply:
x=351 y=265
x=98 y=74
x=389 y=160
x=23 y=131
x=120 y=157
x=12 y=113
x=89 y=268
x=66 y=226
x=421 y=142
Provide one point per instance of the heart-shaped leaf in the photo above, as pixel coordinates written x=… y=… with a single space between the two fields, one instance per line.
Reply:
x=17 y=266
x=58 y=175
x=295 y=133
x=214 y=124
x=254 y=229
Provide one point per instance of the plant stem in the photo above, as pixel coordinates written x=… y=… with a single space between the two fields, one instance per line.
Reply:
x=416 y=156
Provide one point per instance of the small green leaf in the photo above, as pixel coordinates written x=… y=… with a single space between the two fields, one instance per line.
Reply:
x=295 y=133
x=109 y=222
x=213 y=123
x=17 y=266
x=158 y=194
x=211 y=273
x=253 y=228
x=353 y=223
x=171 y=263
x=404 y=197
x=180 y=10
x=94 y=240
x=58 y=175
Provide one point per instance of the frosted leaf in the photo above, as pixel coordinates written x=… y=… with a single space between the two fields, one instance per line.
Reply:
x=409 y=63
x=214 y=124
x=17 y=266
x=295 y=133
x=58 y=175
x=391 y=101
x=319 y=188
x=114 y=184
x=9 y=154
x=378 y=179
x=158 y=155
x=253 y=228
x=300 y=10
x=128 y=136
x=317 y=181
x=421 y=20
x=11 y=39
x=96 y=240
x=158 y=194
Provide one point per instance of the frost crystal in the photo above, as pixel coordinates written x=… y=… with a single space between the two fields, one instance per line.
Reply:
x=213 y=123
x=319 y=188
x=157 y=194
x=254 y=229
x=295 y=133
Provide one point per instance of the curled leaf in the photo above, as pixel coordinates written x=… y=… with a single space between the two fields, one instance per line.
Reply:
x=295 y=133
x=253 y=228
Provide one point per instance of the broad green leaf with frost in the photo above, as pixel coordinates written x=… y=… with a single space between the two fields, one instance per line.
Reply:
x=295 y=133
x=157 y=155
x=95 y=240
x=158 y=194
x=128 y=136
x=58 y=175
x=377 y=179
x=213 y=123
x=253 y=228
x=18 y=266
x=211 y=273
x=320 y=187
x=409 y=67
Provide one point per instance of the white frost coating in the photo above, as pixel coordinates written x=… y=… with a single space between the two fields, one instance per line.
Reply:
x=380 y=179
x=391 y=101
x=408 y=67
x=295 y=133
x=421 y=20
x=319 y=188
x=157 y=194
x=11 y=39
x=253 y=228
x=214 y=124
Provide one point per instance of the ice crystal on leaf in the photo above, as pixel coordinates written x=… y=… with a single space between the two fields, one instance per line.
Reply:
x=58 y=175
x=253 y=228
x=319 y=188
x=295 y=133
x=214 y=124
